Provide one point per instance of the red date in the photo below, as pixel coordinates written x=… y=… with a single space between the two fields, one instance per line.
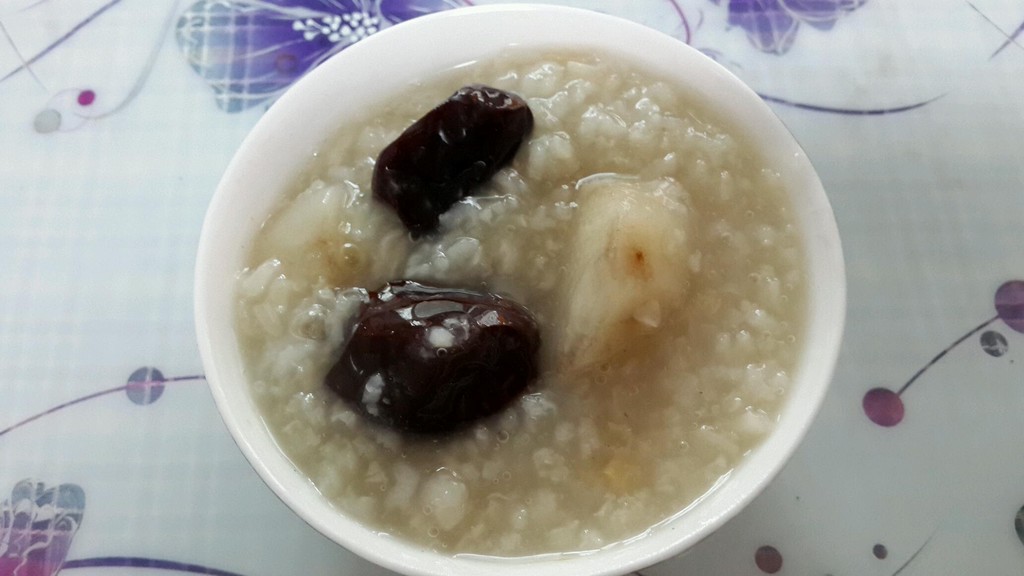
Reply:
x=427 y=359
x=444 y=155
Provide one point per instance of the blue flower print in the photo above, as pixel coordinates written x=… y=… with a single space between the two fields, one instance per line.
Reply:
x=250 y=51
x=771 y=25
x=37 y=525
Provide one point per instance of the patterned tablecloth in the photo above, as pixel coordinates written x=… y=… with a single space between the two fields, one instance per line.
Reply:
x=117 y=118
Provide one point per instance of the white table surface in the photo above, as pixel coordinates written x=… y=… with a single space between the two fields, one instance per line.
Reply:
x=112 y=140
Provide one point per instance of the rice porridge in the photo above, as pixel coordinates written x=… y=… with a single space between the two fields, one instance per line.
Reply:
x=658 y=256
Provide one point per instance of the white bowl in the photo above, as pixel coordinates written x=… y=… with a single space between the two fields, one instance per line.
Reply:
x=283 y=142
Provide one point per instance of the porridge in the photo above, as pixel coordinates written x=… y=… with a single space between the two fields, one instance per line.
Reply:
x=654 y=250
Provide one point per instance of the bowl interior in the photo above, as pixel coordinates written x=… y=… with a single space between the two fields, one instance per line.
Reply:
x=295 y=128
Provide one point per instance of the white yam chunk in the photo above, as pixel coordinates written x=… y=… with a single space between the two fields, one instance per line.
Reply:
x=311 y=216
x=628 y=266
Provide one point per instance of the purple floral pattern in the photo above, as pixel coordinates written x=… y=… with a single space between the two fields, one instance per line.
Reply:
x=250 y=51
x=771 y=25
x=37 y=525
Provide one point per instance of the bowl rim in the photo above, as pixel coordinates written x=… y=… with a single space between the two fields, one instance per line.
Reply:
x=221 y=237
